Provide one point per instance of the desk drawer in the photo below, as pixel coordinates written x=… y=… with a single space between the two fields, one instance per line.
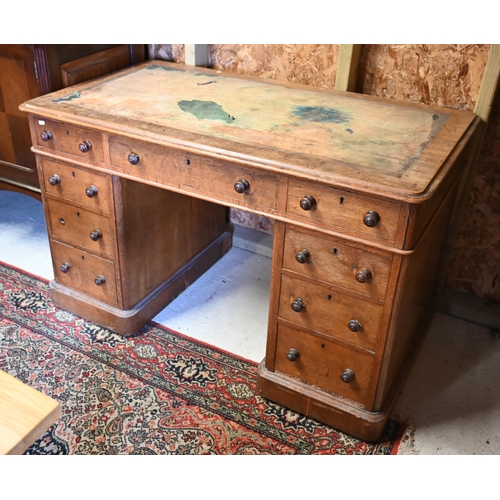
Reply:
x=60 y=137
x=336 y=314
x=196 y=173
x=333 y=261
x=82 y=272
x=322 y=363
x=334 y=208
x=77 y=226
x=71 y=183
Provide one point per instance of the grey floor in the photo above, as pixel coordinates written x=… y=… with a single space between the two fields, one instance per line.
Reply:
x=450 y=402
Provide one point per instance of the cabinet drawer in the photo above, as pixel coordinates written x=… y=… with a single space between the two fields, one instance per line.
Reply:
x=334 y=208
x=333 y=313
x=83 y=269
x=61 y=137
x=77 y=226
x=335 y=262
x=322 y=363
x=196 y=173
x=70 y=183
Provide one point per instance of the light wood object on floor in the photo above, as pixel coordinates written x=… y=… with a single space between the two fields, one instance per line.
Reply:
x=25 y=414
x=137 y=169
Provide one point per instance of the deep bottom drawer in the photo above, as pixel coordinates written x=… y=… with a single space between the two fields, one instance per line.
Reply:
x=322 y=363
x=83 y=271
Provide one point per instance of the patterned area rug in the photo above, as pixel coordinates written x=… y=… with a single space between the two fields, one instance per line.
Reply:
x=158 y=392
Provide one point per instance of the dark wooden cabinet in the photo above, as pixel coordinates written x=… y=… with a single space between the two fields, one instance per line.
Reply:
x=28 y=71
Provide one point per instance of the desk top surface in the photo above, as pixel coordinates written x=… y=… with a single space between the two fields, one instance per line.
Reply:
x=337 y=138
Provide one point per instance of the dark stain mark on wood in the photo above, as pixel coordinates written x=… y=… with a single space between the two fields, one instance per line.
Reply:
x=164 y=68
x=321 y=114
x=209 y=110
x=74 y=95
x=206 y=83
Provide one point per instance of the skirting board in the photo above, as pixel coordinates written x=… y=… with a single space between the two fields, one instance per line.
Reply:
x=469 y=307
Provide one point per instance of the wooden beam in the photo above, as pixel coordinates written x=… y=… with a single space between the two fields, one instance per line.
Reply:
x=196 y=55
x=347 y=69
x=489 y=84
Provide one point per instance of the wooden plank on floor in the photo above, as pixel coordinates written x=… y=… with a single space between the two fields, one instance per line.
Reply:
x=25 y=414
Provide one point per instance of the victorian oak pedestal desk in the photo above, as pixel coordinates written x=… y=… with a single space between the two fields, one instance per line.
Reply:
x=137 y=169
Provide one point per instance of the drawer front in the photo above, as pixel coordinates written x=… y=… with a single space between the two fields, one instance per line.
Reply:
x=334 y=208
x=198 y=173
x=335 y=262
x=77 y=226
x=336 y=314
x=70 y=183
x=322 y=363
x=59 y=137
x=84 y=269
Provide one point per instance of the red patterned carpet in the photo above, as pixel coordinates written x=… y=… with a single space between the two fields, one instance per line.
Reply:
x=158 y=392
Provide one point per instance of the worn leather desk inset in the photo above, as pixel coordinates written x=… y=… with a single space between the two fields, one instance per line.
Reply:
x=137 y=169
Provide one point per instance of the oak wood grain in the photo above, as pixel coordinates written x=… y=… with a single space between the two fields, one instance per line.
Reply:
x=25 y=414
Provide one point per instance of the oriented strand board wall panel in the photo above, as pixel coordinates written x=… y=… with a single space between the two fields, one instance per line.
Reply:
x=444 y=75
x=306 y=64
x=475 y=262
x=450 y=75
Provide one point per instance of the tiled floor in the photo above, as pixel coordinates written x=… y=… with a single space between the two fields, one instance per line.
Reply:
x=451 y=399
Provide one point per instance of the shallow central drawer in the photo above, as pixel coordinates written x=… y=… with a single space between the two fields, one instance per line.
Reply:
x=222 y=180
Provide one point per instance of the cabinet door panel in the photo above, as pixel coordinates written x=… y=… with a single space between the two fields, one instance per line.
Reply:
x=17 y=84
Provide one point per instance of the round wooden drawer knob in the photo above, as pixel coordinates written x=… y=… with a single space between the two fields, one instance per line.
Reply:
x=298 y=305
x=54 y=180
x=95 y=235
x=307 y=202
x=241 y=186
x=91 y=191
x=354 y=325
x=302 y=256
x=65 y=267
x=85 y=146
x=133 y=159
x=292 y=355
x=371 y=218
x=347 y=376
x=46 y=135
x=363 y=276
x=100 y=280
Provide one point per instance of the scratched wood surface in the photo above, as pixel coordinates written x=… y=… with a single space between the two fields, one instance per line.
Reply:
x=315 y=133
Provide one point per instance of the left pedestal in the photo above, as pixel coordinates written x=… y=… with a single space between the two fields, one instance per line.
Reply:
x=123 y=250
